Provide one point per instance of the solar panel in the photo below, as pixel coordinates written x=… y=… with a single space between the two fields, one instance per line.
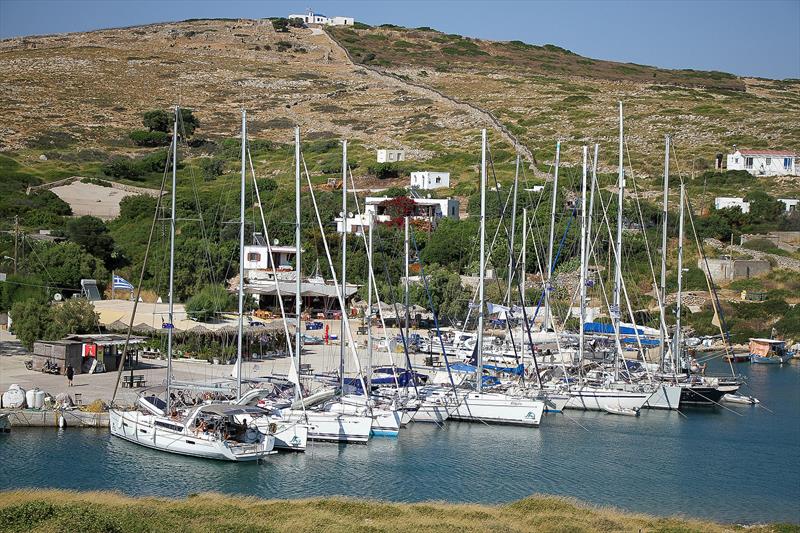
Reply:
x=89 y=290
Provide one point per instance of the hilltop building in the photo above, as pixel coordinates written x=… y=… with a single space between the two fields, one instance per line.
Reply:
x=391 y=156
x=428 y=180
x=427 y=210
x=725 y=202
x=765 y=162
x=309 y=17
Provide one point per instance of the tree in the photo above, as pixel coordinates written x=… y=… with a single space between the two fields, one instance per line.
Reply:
x=280 y=25
x=74 y=316
x=149 y=138
x=65 y=264
x=135 y=207
x=29 y=321
x=209 y=301
x=19 y=288
x=92 y=234
x=162 y=120
x=212 y=168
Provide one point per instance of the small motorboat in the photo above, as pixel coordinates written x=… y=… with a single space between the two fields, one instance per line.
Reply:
x=618 y=410
x=740 y=398
x=769 y=351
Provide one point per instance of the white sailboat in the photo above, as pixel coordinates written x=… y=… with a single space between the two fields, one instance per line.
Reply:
x=211 y=431
x=479 y=406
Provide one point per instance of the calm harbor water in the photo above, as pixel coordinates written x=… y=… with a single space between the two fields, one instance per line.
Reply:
x=740 y=465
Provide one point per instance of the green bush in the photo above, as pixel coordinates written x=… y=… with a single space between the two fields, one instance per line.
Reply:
x=209 y=301
x=121 y=168
x=149 y=138
x=212 y=168
x=281 y=25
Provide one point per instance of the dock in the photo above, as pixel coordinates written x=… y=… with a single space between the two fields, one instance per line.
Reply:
x=68 y=418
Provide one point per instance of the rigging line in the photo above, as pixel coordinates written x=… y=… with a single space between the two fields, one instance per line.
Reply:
x=339 y=293
x=292 y=369
x=139 y=286
x=435 y=313
x=197 y=204
x=644 y=231
x=371 y=274
x=397 y=315
x=520 y=288
x=723 y=327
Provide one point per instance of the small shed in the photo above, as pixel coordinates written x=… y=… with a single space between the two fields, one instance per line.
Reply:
x=63 y=353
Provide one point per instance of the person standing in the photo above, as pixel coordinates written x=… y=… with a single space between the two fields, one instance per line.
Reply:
x=70 y=374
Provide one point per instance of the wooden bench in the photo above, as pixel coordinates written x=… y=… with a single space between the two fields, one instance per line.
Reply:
x=134 y=381
x=433 y=360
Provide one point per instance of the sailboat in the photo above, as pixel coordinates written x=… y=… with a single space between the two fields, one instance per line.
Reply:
x=492 y=407
x=211 y=431
x=614 y=395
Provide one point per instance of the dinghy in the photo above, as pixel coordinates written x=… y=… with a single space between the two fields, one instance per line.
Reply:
x=740 y=398
x=618 y=410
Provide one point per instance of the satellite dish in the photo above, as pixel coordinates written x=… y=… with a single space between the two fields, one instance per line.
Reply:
x=57 y=297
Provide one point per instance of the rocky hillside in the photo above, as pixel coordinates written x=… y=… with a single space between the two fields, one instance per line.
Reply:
x=422 y=90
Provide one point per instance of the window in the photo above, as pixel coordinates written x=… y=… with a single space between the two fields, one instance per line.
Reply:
x=254 y=256
x=438 y=179
x=787 y=163
x=769 y=161
x=736 y=160
x=748 y=162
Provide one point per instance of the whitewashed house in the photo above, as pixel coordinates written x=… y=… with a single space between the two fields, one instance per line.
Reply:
x=430 y=180
x=429 y=210
x=765 y=162
x=391 y=156
x=309 y=17
x=791 y=204
x=724 y=202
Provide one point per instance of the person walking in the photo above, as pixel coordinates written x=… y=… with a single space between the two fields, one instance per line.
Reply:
x=70 y=374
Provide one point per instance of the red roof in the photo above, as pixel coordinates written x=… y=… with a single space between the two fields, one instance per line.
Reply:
x=776 y=153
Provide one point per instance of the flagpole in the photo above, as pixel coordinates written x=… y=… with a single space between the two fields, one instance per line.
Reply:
x=112 y=284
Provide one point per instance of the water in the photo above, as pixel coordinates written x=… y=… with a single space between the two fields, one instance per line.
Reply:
x=733 y=466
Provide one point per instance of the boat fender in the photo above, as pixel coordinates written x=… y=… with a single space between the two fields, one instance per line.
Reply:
x=273 y=427
x=61 y=422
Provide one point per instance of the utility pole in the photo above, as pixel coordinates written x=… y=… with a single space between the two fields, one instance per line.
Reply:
x=16 y=239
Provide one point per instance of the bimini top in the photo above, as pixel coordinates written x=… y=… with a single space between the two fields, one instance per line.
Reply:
x=768 y=341
x=221 y=409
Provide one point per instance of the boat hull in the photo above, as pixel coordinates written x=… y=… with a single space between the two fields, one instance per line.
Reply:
x=592 y=399
x=141 y=429
x=704 y=394
x=334 y=427
x=771 y=360
x=495 y=408
x=666 y=396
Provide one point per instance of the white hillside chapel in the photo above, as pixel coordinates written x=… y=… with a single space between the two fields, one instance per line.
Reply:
x=309 y=17
x=765 y=162
x=390 y=156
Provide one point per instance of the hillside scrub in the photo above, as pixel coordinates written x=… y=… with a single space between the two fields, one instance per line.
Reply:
x=48 y=510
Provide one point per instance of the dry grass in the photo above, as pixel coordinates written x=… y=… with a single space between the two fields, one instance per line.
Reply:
x=52 y=510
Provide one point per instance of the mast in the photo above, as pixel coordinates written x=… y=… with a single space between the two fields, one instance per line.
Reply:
x=405 y=284
x=241 y=262
x=298 y=287
x=523 y=259
x=548 y=284
x=482 y=266
x=172 y=257
x=663 y=287
x=369 y=302
x=343 y=340
x=678 y=302
x=583 y=258
x=513 y=226
x=616 y=309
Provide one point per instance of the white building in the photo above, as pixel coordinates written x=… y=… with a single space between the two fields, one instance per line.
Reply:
x=791 y=204
x=430 y=180
x=257 y=263
x=724 y=202
x=765 y=162
x=429 y=210
x=390 y=156
x=310 y=17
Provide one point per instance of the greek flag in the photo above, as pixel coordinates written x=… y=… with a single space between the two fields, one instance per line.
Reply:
x=120 y=283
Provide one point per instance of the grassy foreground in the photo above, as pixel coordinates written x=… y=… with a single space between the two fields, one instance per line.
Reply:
x=54 y=510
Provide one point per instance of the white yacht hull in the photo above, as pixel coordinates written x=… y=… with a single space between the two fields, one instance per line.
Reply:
x=433 y=413
x=499 y=409
x=666 y=396
x=333 y=427
x=598 y=399
x=289 y=435
x=141 y=429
